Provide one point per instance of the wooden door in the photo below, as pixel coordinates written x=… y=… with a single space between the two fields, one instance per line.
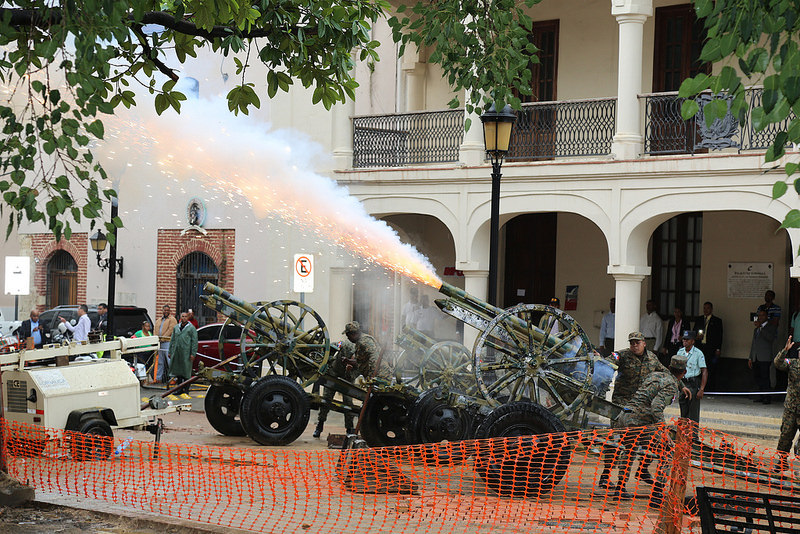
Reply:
x=530 y=259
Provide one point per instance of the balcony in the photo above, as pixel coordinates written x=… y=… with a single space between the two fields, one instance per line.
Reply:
x=543 y=130
x=667 y=133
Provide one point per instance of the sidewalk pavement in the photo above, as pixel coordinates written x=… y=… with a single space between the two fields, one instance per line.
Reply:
x=738 y=415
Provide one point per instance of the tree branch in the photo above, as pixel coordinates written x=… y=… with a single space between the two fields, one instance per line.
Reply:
x=148 y=52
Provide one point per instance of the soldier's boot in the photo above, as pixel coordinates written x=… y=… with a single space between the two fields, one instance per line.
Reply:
x=318 y=430
x=783 y=462
x=349 y=426
x=643 y=474
x=603 y=482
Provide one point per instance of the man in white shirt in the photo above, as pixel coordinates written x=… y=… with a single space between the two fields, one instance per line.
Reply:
x=410 y=308
x=607 y=330
x=652 y=327
x=427 y=316
x=80 y=332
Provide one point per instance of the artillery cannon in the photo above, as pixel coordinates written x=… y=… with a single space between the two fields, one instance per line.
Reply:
x=424 y=363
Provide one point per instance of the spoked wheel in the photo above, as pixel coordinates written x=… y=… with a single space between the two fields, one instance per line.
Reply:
x=246 y=353
x=537 y=353
x=222 y=409
x=386 y=420
x=449 y=364
x=292 y=340
x=275 y=410
x=529 y=465
x=441 y=426
x=408 y=368
x=93 y=441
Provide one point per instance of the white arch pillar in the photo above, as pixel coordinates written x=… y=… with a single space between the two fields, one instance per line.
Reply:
x=628 y=292
x=631 y=16
x=342 y=134
x=476 y=283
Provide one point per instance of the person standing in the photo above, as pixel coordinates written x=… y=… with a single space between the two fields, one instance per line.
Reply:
x=652 y=327
x=607 y=330
x=163 y=329
x=410 y=307
x=345 y=352
x=634 y=365
x=646 y=407
x=31 y=328
x=794 y=325
x=761 y=354
x=192 y=320
x=709 y=340
x=772 y=309
x=672 y=339
x=426 y=316
x=102 y=320
x=695 y=379
x=80 y=332
x=145 y=330
x=790 y=422
x=182 y=349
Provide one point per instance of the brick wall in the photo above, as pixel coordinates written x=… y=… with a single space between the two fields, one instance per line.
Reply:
x=43 y=246
x=218 y=244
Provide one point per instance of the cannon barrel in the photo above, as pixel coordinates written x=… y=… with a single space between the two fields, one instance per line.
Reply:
x=412 y=339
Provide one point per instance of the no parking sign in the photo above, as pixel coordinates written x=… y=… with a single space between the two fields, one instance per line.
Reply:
x=303 y=273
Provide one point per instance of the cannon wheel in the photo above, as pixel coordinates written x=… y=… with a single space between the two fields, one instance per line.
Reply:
x=448 y=364
x=275 y=410
x=386 y=420
x=296 y=344
x=518 y=357
x=434 y=420
x=222 y=409
x=531 y=464
x=408 y=368
x=253 y=371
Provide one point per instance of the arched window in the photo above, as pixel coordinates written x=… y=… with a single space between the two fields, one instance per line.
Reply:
x=194 y=270
x=62 y=280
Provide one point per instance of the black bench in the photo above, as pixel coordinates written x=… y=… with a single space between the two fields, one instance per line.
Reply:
x=729 y=510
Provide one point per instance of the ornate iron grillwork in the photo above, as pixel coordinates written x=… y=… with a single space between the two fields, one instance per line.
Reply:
x=561 y=129
x=667 y=133
x=407 y=138
x=194 y=270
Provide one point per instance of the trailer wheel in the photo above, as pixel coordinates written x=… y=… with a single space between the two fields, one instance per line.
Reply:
x=535 y=457
x=275 y=410
x=386 y=420
x=94 y=440
x=434 y=421
x=222 y=404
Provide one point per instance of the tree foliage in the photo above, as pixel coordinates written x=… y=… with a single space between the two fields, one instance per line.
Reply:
x=760 y=38
x=64 y=65
x=483 y=46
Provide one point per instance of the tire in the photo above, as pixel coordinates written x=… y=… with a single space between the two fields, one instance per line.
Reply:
x=434 y=421
x=93 y=441
x=26 y=448
x=386 y=420
x=534 y=462
x=275 y=410
x=222 y=405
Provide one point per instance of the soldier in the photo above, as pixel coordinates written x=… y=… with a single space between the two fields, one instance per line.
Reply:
x=791 y=407
x=365 y=358
x=646 y=408
x=635 y=364
x=338 y=369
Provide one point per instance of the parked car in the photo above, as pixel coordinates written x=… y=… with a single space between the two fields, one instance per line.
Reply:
x=127 y=320
x=208 y=345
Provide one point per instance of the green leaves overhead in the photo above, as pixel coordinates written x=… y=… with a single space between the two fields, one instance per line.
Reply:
x=760 y=37
x=69 y=63
x=483 y=46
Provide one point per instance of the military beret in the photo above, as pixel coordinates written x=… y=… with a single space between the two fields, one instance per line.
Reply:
x=678 y=362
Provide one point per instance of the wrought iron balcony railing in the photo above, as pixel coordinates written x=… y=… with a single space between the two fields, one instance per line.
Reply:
x=407 y=138
x=546 y=130
x=667 y=133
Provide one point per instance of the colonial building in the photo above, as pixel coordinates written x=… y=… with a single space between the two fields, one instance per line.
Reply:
x=606 y=192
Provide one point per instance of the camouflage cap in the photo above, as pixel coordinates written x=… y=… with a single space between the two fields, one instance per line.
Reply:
x=678 y=362
x=352 y=327
x=635 y=336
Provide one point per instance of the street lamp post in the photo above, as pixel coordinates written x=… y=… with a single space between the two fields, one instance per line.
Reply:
x=496 y=137
x=114 y=265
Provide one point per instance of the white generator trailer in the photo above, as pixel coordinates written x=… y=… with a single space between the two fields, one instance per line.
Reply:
x=92 y=396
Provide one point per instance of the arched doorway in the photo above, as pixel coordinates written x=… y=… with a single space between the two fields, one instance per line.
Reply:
x=62 y=280
x=194 y=270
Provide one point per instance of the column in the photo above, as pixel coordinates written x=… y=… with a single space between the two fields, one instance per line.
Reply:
x=631 y=15
x=628 y=292
x=476 y=283
x=342 y=134
x=472 y=151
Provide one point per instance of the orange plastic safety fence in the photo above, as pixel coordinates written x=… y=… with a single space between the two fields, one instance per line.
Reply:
x=543 y=483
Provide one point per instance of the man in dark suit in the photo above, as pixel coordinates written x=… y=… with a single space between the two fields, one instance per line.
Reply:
x=709 y=340
x=32 y=328
x=761 y=353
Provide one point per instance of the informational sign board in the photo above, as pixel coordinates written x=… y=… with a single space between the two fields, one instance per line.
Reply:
x=18 y=275
x=303 y=273
x=571 y=298
x=749 y=280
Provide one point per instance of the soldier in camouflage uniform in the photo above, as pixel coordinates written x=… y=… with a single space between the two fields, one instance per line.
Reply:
x=338 y=369
x=365 y=359
x=646 y=408
x=791 y=411
x=635 y=364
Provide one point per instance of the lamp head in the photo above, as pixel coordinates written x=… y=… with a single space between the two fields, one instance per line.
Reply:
x=497 y=130
x=98 y=241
